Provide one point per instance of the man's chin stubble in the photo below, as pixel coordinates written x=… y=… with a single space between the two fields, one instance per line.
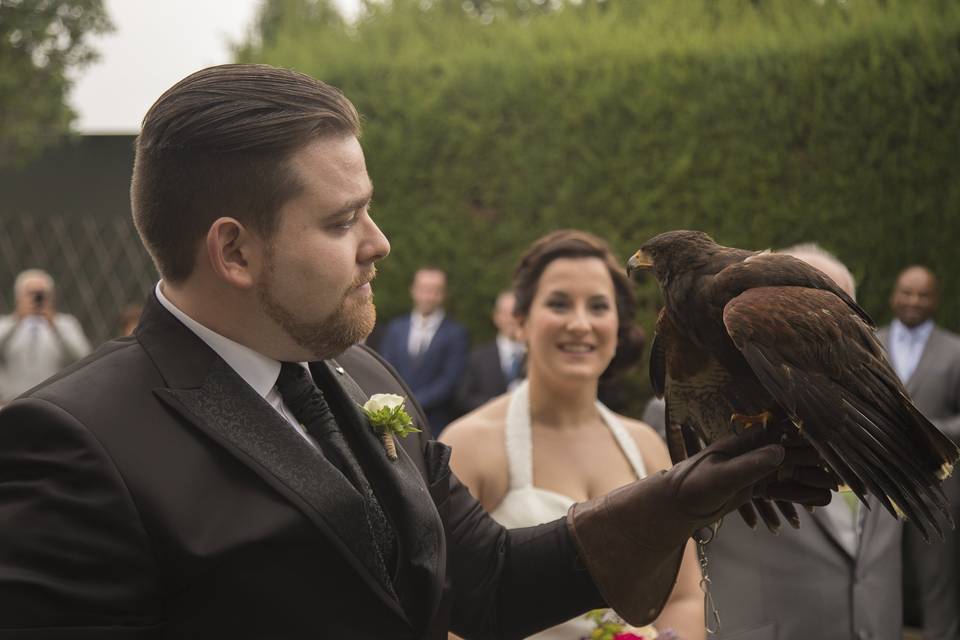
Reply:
x=347 y=326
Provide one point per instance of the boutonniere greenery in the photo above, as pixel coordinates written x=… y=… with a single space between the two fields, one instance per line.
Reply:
x=388 y=418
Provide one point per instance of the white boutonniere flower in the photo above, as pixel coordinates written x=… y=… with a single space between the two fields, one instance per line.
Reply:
x=387 y=416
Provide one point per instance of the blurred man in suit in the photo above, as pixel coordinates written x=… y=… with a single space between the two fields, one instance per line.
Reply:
x=428 y=349
x=837 y=576
x=927 y=359
x=495 y=366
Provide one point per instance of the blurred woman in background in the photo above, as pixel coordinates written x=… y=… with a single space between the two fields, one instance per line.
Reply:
x=529 y=455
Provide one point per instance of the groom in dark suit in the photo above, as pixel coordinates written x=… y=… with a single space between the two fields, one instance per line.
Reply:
x=213 y=477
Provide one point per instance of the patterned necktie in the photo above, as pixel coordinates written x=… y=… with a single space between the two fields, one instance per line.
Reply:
x=310 y=407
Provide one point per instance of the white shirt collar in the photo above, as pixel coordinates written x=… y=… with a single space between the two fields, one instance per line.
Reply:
x=428 y=322
x=508 y=347
x=257 y=370
x=917 y=334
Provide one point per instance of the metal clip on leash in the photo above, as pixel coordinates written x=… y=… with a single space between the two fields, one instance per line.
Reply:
x=703 y=537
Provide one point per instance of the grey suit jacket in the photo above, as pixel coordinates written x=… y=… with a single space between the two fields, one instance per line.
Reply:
x=935 y=389
x=804 y=583
x=935 y=385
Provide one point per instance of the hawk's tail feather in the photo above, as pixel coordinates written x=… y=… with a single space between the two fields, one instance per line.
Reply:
x=908 y=421
x=892 y=442
x=893 y=482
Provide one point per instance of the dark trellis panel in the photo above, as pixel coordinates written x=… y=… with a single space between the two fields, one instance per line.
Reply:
x=97 y=262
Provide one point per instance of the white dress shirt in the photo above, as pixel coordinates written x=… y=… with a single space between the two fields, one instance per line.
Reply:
x=257 y=370
x=422 y=330
x=906 y=346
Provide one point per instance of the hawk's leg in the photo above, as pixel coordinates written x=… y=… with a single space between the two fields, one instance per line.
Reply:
x=745 y=421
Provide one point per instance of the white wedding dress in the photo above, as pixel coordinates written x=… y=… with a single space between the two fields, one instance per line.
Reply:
x=526 y=505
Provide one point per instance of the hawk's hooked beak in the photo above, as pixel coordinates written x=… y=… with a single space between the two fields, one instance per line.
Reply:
x=639 y=262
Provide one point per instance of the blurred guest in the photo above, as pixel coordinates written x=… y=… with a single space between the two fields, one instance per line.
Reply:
x=35 y=340
x=837 y=576
x=128 y=319
x=654 y=414
x=575 y=307
x=927 y=359
x=495 y=366
x=428 y=349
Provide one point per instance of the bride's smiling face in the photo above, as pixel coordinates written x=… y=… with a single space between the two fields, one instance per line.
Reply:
x=571 y=327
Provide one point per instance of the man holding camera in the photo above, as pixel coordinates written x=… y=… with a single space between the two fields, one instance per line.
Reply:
x=35 y=340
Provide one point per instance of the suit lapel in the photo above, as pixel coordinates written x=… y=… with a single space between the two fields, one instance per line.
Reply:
x=212 y=397
x=408 y=361
x=926 y=358
x=437 y=337
x=403 y=493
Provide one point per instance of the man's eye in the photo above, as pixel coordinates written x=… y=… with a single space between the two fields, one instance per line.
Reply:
x=345 y=224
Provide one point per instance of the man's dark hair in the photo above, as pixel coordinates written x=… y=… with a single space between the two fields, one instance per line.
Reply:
x=218 y=143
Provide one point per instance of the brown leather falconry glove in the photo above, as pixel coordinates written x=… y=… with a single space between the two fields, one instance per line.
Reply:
x=632 y=539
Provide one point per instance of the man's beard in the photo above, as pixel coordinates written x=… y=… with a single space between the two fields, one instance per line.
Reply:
x=350 y=322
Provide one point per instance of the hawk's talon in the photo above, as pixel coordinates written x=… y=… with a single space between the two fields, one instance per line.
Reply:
x=746 y=421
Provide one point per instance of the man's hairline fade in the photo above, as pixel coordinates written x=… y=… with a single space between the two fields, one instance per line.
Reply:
x=259 y=118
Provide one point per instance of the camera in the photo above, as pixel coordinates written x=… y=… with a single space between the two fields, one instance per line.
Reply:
x=38 y=297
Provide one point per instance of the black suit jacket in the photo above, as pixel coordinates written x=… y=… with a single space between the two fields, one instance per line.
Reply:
x=483 y=378
x=148 y=492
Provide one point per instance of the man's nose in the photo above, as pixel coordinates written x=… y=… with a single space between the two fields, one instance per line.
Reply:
x=375 y=245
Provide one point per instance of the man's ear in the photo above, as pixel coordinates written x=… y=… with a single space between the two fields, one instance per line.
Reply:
x=235 y=252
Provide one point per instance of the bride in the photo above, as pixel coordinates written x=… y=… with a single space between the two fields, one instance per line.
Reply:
x=529 y=455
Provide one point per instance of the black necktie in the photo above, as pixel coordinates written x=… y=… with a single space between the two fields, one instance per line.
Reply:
x=310 y=407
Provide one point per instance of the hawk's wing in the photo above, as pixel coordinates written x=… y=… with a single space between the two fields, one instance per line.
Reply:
x=821 y=361
x=693 y=385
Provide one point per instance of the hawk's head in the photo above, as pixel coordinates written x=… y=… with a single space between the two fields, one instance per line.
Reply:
x=672 y=253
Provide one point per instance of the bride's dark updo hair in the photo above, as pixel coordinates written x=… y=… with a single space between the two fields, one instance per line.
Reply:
x=571 y=243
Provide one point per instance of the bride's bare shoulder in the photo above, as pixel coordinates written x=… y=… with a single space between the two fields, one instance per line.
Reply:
x=478 y=426
x=652 y=447
x=479 y=455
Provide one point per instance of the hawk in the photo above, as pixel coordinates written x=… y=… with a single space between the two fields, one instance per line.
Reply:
x=757 y=339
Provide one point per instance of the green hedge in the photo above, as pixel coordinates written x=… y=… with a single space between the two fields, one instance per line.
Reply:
x=764 y=124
